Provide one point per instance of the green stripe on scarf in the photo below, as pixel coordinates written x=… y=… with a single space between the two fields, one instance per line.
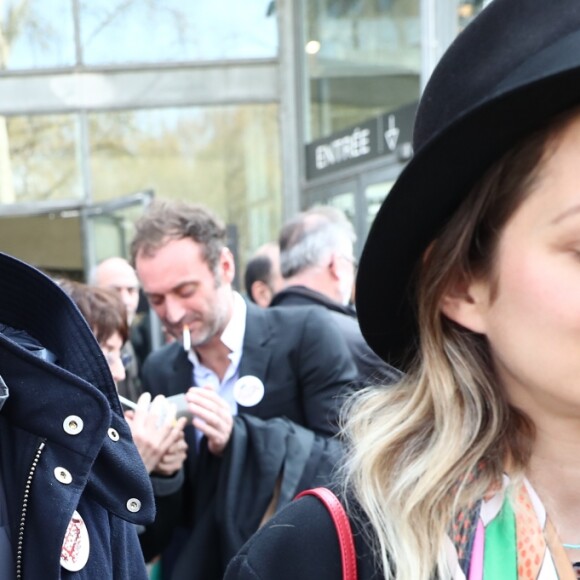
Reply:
x=155 y=571
x=500 y=560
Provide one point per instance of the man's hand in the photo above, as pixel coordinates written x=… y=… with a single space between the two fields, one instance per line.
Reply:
x=212 y=417
x=155 y=431
x=173 y=458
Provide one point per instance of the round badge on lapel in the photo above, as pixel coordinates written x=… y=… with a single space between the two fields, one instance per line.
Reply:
x=248 y=391
x=76 y=545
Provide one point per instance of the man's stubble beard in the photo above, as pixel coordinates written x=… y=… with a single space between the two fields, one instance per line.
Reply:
x=216 y=325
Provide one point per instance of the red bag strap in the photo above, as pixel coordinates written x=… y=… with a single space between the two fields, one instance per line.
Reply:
x=343 y=529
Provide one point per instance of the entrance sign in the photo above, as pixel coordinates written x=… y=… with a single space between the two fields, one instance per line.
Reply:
x=351 y=145
x=368 y=140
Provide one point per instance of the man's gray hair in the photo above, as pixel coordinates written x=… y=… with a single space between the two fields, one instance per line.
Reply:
x=308 y=239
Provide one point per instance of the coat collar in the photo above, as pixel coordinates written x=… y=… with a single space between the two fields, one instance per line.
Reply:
x=32 y=302
x=299 y=294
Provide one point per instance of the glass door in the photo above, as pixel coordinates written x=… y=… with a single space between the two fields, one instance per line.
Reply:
x=359 y=197
x=374 y=187
x=342 y=195
x=67 y=239
x=108 y=227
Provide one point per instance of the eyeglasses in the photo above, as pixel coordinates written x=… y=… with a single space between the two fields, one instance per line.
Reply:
x=351 y=259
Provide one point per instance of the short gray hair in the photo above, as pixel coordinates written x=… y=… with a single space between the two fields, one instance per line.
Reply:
x=307 y=239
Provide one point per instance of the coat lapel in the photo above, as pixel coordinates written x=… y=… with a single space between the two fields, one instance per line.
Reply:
x=256 y=354
x=183 y=369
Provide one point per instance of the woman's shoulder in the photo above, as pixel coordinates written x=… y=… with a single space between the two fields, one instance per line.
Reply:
x=299 y=542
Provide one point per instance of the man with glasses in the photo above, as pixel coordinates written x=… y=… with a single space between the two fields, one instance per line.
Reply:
x=318 y=266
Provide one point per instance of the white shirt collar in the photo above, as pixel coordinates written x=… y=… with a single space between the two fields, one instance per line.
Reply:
x=233 y=334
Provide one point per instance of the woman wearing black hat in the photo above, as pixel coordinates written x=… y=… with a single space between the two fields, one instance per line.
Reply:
x=470 y=281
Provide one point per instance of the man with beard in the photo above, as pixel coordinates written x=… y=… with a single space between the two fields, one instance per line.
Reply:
x=230 y=357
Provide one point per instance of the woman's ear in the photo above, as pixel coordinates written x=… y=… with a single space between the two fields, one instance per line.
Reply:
x=466 y=302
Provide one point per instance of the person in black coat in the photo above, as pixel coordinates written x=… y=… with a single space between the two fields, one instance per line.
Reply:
x=229 y=357
x=318 y=266
x=469 y=282
x=300 y=542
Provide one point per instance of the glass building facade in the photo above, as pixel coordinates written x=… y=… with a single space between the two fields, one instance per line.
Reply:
x=256 y=109
x=360 y=60
x=365 y=63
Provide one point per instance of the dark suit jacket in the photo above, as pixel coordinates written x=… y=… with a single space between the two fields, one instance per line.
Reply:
x=299 y=355
x=306 y=368
x=371 y=368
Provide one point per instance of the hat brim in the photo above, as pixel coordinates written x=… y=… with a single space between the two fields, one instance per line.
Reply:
x=437 y=179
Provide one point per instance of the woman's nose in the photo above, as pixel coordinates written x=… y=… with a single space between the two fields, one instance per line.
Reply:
x=118 y=370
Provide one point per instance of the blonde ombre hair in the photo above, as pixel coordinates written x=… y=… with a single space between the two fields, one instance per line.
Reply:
x=433 y=445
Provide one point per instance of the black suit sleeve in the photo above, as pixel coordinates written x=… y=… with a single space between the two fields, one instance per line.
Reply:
x=326 y=371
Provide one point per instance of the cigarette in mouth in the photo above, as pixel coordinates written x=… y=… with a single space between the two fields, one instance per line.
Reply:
x=186 y=338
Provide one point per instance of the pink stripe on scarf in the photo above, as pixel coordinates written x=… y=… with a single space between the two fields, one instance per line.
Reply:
x=476 y=563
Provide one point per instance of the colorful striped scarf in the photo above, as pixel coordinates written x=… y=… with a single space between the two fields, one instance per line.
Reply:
x=508 y=537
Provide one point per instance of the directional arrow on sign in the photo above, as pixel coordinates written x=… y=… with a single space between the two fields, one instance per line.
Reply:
x=392 y=134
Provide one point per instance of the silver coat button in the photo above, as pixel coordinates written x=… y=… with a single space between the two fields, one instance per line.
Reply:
x=113 y=434
x=73 y=425
x=134 y=505
x=63 y=475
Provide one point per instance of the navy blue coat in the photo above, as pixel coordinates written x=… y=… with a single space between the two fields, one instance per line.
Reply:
x=64 y=444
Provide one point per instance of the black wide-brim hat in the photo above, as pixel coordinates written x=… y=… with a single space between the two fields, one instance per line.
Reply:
x=512 y=69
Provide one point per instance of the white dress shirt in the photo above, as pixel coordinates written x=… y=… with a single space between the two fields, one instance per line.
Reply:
x=233 y=338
